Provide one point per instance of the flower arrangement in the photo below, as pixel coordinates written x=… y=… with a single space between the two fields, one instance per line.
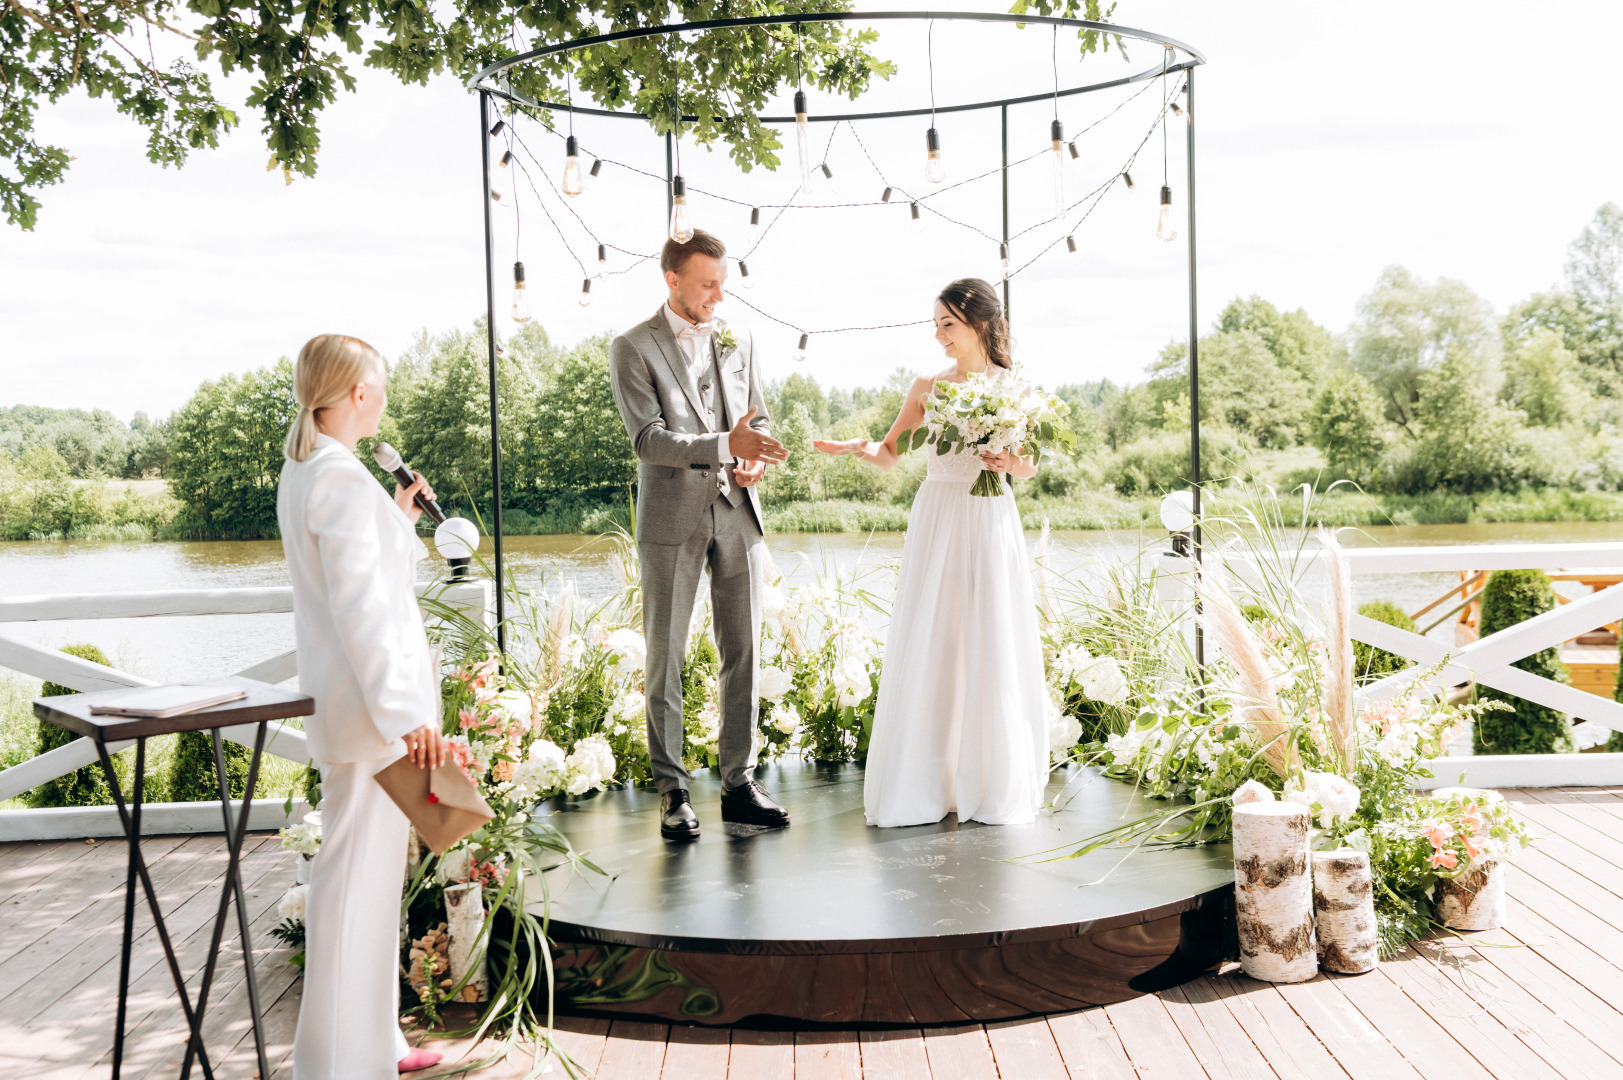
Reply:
x=994 y=416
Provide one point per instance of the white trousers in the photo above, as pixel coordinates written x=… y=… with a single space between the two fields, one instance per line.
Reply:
x=349 y=1025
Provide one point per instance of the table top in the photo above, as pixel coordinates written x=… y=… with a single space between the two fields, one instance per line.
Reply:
x=263 y=703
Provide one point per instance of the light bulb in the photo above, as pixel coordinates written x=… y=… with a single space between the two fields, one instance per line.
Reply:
x=521 y=304
x=1070 y=244
x=1178 y=511
x=1056 y=133
x=495 y=196
x=602 y=257
x=586 y=293
x=800 y=350
x=1188 y=118
x=1075 y=153
x=755 y=224
x=496 y=129
x=507 y=159
x=935 y=170
x=1003 y=257
x=800 y=140
x=1165 y=231
x=572 y=184
x=744 y=274
x=917 y=220
x=591 y=174
x=681 y=224
x=825 y=180
x=1127 y=176
x=501 y=352
x=885 y=198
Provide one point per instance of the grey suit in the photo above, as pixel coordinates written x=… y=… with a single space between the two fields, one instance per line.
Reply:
x=685 y=526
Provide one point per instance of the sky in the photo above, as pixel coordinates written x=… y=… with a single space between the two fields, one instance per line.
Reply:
x=1457 y=139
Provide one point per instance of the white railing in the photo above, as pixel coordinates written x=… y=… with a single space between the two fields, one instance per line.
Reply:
x=284 y=740
x=1488 y=660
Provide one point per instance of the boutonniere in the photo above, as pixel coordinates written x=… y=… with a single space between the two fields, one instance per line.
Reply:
x=726 y=339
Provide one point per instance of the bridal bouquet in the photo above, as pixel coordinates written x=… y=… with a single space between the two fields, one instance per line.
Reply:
x=991 y=416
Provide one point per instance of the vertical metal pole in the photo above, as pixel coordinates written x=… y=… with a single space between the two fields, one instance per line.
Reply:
x=1194 y=355
x=1007 y=317
x=490 y=341
x=670 y=175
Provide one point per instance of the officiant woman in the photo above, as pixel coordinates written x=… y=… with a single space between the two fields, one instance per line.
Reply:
x=352 y=554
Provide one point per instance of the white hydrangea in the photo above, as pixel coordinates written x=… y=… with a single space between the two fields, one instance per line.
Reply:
x=774 y=682
x=1252 y=791
x=1063 y=732
x=517 y=706
x=851 y=683
x=708 y=736
x=629 y=649
x=303 y=838
x=1102 y=680
x=589 y=766
x=773 y=603
x=785 y=717
x=1070 y=663
x=542 y=770
x=293 y=904
x=1335 y=797
x=571 y=651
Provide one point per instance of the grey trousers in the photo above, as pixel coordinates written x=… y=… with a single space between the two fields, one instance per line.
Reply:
x=729 y=544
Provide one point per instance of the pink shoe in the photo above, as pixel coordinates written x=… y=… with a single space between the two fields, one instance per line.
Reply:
x=419 y=1059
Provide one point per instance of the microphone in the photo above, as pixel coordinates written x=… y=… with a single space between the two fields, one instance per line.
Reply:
x=388 y=459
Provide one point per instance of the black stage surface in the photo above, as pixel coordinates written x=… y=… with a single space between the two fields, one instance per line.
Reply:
x=831 y=921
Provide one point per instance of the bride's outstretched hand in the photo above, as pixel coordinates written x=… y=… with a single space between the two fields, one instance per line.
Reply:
x=842 y=446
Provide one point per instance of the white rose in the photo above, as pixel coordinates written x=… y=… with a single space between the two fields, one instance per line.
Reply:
x=629 y=649
x=590 y=765
x=292 y=905
x=851 y=683
x=630 y=706
x=517 y=707
x=774 y=682
x=453 y=865
x=786 y=718
x=1251 y=791
x=1103 y=681
x=772 y=603
x=1063 y=732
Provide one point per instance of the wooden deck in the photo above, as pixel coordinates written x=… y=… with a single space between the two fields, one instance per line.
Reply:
x=1540 y=998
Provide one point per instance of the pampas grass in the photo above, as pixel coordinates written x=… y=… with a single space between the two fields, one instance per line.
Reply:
x=1338 y=673
x=1254 y=680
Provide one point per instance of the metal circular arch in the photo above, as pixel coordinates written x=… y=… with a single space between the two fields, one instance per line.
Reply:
x=1196 y=58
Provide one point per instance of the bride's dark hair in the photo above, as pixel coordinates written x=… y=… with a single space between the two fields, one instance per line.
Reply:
x=975 y=302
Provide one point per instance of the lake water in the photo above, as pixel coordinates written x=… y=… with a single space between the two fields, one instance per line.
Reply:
x=186 y=648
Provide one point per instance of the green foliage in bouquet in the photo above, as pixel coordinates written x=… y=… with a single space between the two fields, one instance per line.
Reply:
x=1370 y=663
x=986 y=415
x=85 y=786
x=1510 y=597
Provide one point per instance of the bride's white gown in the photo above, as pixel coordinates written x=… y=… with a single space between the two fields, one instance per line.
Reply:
x=959 y=725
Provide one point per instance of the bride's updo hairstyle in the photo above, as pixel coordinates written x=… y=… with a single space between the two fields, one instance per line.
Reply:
x=975 y=302
x=328 y=368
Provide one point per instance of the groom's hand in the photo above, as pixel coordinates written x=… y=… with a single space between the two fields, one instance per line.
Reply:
x=747 y=444
x=748 y=473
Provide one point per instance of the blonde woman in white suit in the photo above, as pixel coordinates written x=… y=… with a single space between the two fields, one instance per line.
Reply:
x=352 y=554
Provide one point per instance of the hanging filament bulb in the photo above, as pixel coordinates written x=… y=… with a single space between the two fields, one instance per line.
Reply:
x=1178 y=111
x=755 y=224
x=572 y=184
x=586 y=293
x=496 y=129
x=800 y=140
x=916 y=219
x=1075 y=153
x=681 y=224
x=1164 y=229
x=602 y=257
x=1056 y=135
x=935 y=170
x=521 y=303
x=744 y=275
x=1070 y=244
x=1003 y=259
x=885 y=198
x=1127 y=176
x=591 y=174
x=800 y=350
x=507 y=159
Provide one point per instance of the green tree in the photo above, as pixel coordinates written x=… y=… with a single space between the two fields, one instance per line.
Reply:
x=795 y=480
x=1511 y=597
x=1587 y=311
x=86 y=786
x=1370 y=663
x=225 y=453
x=576 y=445
x=192 y=775
x=1468 y=440
x=1542 y=380
x=1243 y=385
x=1295 y=340
x=1346 y=425
x=800 y=389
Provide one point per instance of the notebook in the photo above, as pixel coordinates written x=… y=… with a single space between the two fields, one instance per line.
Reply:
x=162 y=702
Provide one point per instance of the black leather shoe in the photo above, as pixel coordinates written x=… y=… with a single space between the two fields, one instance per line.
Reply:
x=677 y=821
x=749 y=804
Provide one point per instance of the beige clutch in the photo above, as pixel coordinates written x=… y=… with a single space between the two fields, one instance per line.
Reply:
x=441 y=803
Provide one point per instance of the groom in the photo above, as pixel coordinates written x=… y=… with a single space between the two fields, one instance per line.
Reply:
x=690 y=396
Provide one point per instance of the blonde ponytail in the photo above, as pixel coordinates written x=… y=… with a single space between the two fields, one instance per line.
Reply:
x=329 y=367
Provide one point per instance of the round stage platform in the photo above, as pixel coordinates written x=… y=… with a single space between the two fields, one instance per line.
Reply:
x=831 y=921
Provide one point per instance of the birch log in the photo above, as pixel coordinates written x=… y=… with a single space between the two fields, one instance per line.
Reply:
x=464 y=917
x=1344 y=901
x=1476 y=899
x=1273 y=893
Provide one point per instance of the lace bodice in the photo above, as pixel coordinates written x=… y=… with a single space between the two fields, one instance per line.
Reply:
x=961 y=465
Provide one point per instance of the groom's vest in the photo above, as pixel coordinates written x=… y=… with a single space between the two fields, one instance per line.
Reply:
x=716 y=402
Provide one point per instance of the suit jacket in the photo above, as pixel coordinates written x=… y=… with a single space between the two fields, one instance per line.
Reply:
x=363 y=654
x=664 y=415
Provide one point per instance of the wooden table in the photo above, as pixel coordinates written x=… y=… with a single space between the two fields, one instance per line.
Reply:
x=263 y=704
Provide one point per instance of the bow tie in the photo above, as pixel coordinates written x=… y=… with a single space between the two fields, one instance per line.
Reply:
x=695 y=332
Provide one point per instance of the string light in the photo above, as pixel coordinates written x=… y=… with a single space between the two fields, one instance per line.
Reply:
x=572 y=184
x=800 y=350
x=1003 y=258
x=496 y=129
x=521 y=304
x=1075 y=153
x=755 y=224
x=800 y=116
x=935 y=170
x=591 y=174
x=1056 y=132
x=681 y=224
x=1164 y=230
x=602 y=257
x=507 y=159
x=586 y=293
x=1070 y=244
x=913 y=213
x=885 y=198
x=1127 y=176
x=744 y=274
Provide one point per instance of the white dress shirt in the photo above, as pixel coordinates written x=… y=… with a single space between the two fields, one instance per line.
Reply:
x=694 y=341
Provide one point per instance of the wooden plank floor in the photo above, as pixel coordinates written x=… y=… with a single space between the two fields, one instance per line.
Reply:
x=1540 y=998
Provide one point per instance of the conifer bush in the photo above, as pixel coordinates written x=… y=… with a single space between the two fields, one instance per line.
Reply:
x=1370 y=663
x=86 y=786
x=1510 y=597
x=191 y=771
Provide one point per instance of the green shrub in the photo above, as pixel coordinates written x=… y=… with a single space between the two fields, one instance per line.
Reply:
x=1614 y=741
x=1157 y=464
x=86 y=786
x=191 y=770
x=1510 y=597
x=1370 y=663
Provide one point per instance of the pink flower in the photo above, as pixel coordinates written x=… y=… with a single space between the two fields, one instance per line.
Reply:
x=1438 y=833
x=1474 y=845
x=468 y=719
x=1444 y=859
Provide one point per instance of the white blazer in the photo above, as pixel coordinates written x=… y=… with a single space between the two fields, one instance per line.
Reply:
x=363 y=654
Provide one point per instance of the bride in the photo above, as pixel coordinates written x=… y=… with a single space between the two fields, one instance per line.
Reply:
x=959 y=726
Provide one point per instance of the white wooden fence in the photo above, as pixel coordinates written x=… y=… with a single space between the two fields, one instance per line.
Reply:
x=1488 y=660
x=283 y=740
